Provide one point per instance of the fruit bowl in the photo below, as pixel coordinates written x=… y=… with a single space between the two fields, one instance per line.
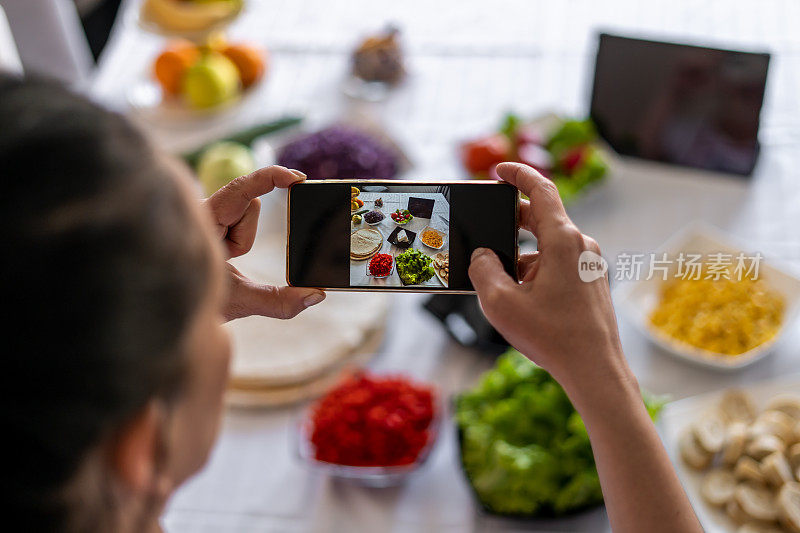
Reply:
x=189 y=80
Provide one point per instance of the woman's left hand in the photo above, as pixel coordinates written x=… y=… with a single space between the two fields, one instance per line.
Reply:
x=234 y=210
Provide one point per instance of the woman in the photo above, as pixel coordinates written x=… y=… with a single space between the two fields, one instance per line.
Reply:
x=117 y=288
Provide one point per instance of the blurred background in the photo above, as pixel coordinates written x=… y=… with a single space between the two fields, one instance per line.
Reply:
x=445 y=86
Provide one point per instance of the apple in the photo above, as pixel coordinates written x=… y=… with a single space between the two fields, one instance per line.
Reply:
x=211 y=81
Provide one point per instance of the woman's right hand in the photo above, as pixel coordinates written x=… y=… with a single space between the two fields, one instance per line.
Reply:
x=568 y=327
x=562 y=323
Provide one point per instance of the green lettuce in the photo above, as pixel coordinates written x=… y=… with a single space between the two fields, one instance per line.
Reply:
x=524 y=448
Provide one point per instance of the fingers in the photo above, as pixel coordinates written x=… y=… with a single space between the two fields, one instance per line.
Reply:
x=490 y=279
x=229 y=204
x=247 y=297
x=527 y=266
x=240 y=237
x=545 y=212
x=280 y=302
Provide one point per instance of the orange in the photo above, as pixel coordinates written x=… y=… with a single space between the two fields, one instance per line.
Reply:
x=172 y=63
x=249 y=61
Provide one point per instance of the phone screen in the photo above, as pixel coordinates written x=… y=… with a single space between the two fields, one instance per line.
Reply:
x=391 y=235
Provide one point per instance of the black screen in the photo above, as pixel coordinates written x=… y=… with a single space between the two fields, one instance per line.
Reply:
x=681 y=104
x=406 y=236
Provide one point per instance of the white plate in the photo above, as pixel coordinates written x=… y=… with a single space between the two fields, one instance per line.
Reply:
x=678 y=416
x=441 y=233
x=147 y=99
x=637 y=299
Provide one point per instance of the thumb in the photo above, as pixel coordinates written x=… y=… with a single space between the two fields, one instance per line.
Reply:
x=276 y=302
x=488 y=275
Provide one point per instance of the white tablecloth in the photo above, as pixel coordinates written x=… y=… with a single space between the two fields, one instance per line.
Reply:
x=469 y=62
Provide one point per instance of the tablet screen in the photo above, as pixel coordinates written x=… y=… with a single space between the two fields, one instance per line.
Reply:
x=680 y=104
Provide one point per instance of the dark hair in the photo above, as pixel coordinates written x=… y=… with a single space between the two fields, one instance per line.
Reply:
x=104 y=268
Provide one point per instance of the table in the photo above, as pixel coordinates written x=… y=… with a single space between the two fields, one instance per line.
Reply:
x=392 y=201
x=469 y=62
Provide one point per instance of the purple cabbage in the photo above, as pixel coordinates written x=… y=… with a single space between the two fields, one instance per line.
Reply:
x=340 y=152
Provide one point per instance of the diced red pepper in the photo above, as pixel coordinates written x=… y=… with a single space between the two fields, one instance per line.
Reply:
x=390 y=428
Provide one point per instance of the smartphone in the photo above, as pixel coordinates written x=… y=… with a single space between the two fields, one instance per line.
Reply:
x=407 y=236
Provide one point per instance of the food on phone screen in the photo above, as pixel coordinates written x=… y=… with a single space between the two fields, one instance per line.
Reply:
x=723 y=316
x=356 y=203
x=524 y=449
x=441 y=265
x=364 y=243
x=752 y=474
x=393 y=417
x=341 y=152
x=373 y=217
x=402 y=217
x=354 y=191
x=380 y=265
x=379 y=58
x=356 y=219
x=431 y=237
x=379 y=202
x=414 y=267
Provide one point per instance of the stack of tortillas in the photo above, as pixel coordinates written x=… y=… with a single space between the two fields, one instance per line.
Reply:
x=277 y=362
x=364 y=243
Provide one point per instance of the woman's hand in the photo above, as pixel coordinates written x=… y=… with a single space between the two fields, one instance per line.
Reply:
x=565 y=325
x=234 y=210
x=568 y=327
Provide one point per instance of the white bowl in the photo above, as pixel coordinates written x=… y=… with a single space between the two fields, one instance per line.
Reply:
x=638 y=299
x=442 y=234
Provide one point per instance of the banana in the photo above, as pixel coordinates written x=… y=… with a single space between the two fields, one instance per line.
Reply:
x=173 y=15
x=709 y=432
x=735 y=441
x=718 y=487
x=756 y=501
x=691 y=452
x=789 y=507
x=748 y=469
x=737 y=406
x=775 y=469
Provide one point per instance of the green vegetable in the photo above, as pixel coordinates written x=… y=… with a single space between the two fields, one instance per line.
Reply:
x=414 y=267
x=361 y=212
x=571 y=133
x=356 y=219
x=222 y=162
x=524 y=448
x=245 y=137
x=510 y=125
